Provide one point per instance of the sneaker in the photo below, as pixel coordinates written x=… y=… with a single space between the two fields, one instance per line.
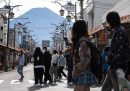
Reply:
x=70 y=83
x=41 y=84
x=20 y=79
x=35 y=84
x=50 y=82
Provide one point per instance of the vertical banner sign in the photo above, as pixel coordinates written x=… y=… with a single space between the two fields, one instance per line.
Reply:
x=5 y=34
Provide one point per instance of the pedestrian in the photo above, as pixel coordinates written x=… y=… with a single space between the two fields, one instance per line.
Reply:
x=104 y=59
x=21 y=61
x=61 y=64
x=54 y=67
x=82 y=75
x=38 y=65
x=118 y=53
x=69 y=61
x=47 y=63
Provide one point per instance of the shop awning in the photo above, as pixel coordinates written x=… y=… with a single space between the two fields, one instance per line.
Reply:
x=1 y=44
x=122 y=7
x=95 y=29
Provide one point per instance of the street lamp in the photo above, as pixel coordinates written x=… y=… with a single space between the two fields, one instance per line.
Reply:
x=62 y=12
x=69 y=7
x=81 y=8
x=68 y=17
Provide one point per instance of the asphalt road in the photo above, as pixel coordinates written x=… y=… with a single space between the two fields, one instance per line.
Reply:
x=9 y=82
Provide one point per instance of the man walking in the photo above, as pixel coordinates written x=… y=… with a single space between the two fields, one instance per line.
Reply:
x=62 y=63
x=21 y=61
x=47 y=63
x=118 y=54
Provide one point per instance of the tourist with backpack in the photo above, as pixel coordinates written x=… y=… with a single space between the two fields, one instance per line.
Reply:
x=118 y=53
x=82 y=73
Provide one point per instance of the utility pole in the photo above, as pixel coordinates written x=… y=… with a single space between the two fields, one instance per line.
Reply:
x=7 y=52
x=8 y=25
x=81 y=8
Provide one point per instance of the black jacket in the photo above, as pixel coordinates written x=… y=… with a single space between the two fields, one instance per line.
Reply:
x=47 y=58
x=38 y=59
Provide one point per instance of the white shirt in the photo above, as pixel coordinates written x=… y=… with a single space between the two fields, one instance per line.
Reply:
x=54 y=59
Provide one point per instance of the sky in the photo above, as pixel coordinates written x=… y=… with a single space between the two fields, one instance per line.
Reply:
x=28 y=4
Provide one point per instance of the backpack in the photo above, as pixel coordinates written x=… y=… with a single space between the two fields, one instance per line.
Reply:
x=95 y=65
x=95 y=60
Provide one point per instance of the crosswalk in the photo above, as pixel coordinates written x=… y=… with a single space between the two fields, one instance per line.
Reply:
x=1 y=81
x=13 y=82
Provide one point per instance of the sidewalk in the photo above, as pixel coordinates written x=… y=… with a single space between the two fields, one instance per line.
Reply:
x=10 y=70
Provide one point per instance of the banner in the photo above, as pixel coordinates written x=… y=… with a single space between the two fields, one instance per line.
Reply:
x=5 y=33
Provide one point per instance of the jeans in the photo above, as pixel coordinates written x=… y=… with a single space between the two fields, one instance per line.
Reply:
x=60 y=71
x=111 y=81
x=20 y=71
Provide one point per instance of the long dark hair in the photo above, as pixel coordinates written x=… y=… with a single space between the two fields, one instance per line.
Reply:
x=21 y=53
x=37 y=52
x=79 y=29
x=113 y=19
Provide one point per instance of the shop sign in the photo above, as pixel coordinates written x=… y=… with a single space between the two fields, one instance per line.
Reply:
x=70 y=7
x=5 y=33
x=45 y=43
x=4 y=11
x=125 y=18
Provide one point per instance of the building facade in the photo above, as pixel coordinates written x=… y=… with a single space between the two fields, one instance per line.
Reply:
x=93 y=13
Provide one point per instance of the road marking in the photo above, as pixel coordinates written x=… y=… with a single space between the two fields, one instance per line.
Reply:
x=1 y=81
x=31 y=82
x=15 y=82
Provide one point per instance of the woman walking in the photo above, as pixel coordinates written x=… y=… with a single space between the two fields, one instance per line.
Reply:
x=38 y=65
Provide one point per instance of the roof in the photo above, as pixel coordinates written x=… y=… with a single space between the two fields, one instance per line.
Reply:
x=122 y=7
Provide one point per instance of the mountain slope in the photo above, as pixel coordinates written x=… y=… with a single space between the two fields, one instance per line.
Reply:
x=41 y=22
